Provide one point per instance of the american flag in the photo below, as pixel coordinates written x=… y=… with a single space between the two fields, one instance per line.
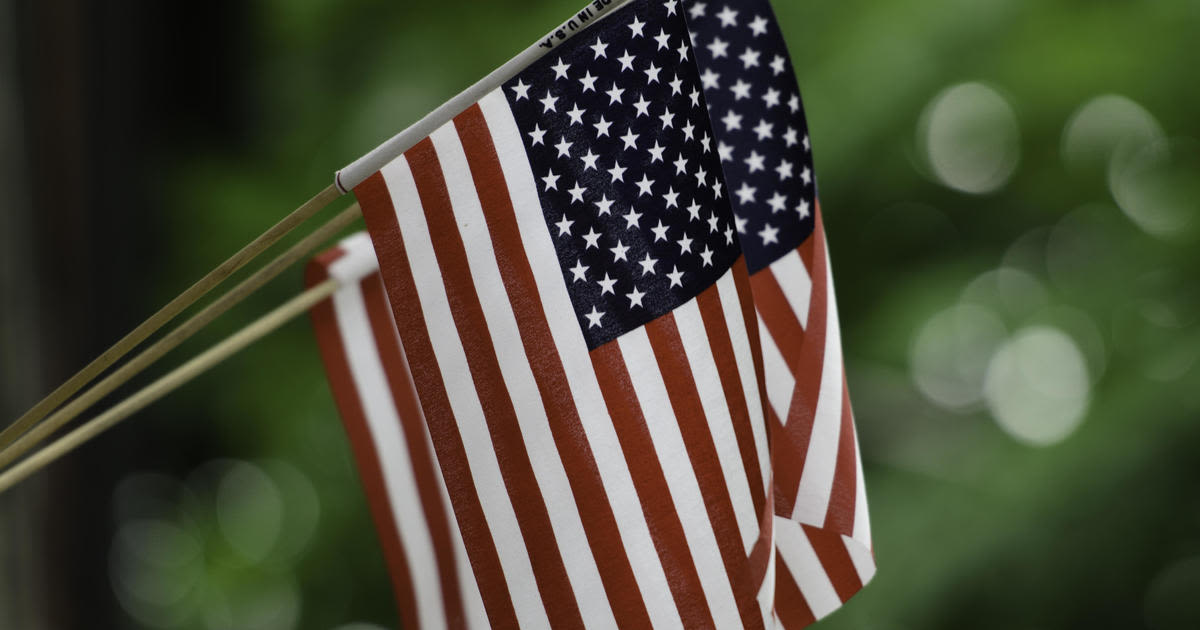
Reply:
x=822 y=528
x=574 y=327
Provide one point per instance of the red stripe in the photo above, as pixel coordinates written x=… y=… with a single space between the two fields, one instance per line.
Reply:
x=790 y=605
x=425 y=471
x=709 y=303
x=741 y=280
x=443 y=429
x=600 y=525
x=759 y=559
x=501 y=417
x=341 y=382
x=803 y=407
x=835 y=560
x=840 y=516
x=702 y=452
x=787 y=463
x=651 y=485
x=783 y=324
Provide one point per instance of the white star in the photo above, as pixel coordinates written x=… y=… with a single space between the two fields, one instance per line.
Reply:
x=803 y=208
x=551 y=181
x=642 y=106
x=604 y=206
x=626 y=61
x=538 y=134
x=564 y=147
x=777 y=66
x=771 y=98
x=588 y=82
x=769 y=234
x=599 y=48
x=631 y=218
x=560 y=69
x=694 y=96
x=676 y=277
x=706 y=142
x=741 y=224
x=647 y=264
x=717 y=189
x=619 y=252
x=606 y=285
x=635 y=297
x=806 y=146
x=576 y=115
x=729 y=236
x=670 y=4
x=577 y=193
x=689 y=131
x=636 y=26
x=683 y=52
x=754 y=162
x=680 y=165
x=777 y=202
x=652 y=73
x=548 y=103
x=694 y=210
x=697 y=10
x=709 y=79
x=763 y=129
x=579 y=271
x=617 y=172
x=719 y=48
x=784 y=169
x=602 y=127
x=564 y=226
x=660 y=233
x=728 y=17
x=644 y=185
x=656 y=152
x=614 y=94
x=759 y=25
x=749 y=58
x=662 y=38
x=589 y=159
x=740 y=90
x=794 y=103
x=701 y=177
x=591 y=239
x=713 y=220
x=676 y=85
x=806 y=176
x=732 y=120
x=707 y=255
x=671 y=198
x=685 y=244
x=594 y=318
x=667 y=117
x=725 y=151
x=630 y=139
x=790 y=136
x=521 y=90
x=746 y=193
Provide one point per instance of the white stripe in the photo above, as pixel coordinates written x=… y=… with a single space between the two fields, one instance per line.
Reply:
x=766 y=592
x=731 y=306
x=716 y=412
x=655 y=403
x=780 y=381
x=816 y=482
x=862 y=520
x=383 y=421
x=464 y=401
x=564 y=328
x=522 y=387
x=801 y=561
x=795 y=282
x=860 y=555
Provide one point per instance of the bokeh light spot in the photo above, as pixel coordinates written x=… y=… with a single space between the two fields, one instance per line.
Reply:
x=1037 y=386
x=950 y=354
x=969 y=135
x=1171 y=602
x=1105 y=126
x=1157 y=188
x=249 y=510
x=154 y=565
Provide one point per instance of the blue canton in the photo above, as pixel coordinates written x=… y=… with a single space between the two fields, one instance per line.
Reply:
x=616 y=128
x=762 y=136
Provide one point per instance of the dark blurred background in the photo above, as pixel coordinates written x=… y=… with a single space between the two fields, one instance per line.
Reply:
x=1012 y=190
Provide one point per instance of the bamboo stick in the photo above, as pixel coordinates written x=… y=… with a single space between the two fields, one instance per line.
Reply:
x=174 y=379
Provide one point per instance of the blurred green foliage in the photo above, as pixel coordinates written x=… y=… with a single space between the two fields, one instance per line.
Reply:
x=1096 y=239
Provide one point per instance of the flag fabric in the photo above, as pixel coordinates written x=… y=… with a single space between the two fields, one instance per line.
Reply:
x=822 y=527
x=562 y=419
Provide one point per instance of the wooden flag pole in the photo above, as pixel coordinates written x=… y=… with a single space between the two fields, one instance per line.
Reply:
x=174 y=379
x=131 y=368
x=166 y=314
